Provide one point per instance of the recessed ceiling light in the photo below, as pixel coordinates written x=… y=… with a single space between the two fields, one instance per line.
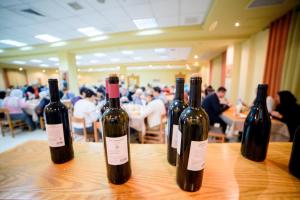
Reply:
x=19 y=62
x=58 y=44
x=93 y=61
x=237 y=24
x=213 y=26
x=47 y=38
x=13 y=43
x=90 y=69
x=196 y=56
x=78 y=57
x=53 y=59
x=56 y=71
x=26 y=48
x=187 y=67
x=1 y=50
x=20 y=69
x=137 y=58
x=150 y=66
x=78 y=70
x=35 y=61
x=99 y=38
x=89 y=31
x=43 y=71
x=115 y=59
x=100 y=54
x=164 y=57
x=145 y=23
x=160 y=50
x=44 y=65
x=127 y=52
x=196 y=64
x=149 y=32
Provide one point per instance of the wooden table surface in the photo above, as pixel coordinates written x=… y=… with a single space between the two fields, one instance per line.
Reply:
x=26 y=172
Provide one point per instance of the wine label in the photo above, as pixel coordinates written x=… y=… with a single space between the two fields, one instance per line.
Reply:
x=55 y=134
x=117 y=150
x=174 y=136
x=197 y=155
x=178 y=141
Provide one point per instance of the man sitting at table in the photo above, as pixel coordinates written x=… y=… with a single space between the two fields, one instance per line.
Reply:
x=214 y=108
x=153 y=111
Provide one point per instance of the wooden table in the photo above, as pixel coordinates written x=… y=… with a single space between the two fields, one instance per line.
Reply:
x=279 y=130
x=26 y=172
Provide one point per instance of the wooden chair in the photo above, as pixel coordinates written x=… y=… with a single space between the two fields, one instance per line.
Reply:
x=42 y=123
x=97 y=126
x=156 y=137
x=11 y=124
x=216 y=135
x=79 y=121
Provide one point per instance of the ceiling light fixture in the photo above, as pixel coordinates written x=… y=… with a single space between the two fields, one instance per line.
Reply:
x=99 y=38
x=44 y=65
x=137 y=58
x=236 y=24
x=78 y=57
x=20 y=69
x=1 y=50
x=160 y=50
x=53 y=59
x=149 y=32
x=35 y=61
x=47 y=38
x=115 y=59
x=58 y=44
x=27 y=48
x=196 y=56
x=19 y=62
x=13 y=43
x=43 y=71
x=90 y=31
x=127 y=52
x=93 y=61
x=99 y=54
x=145 y=23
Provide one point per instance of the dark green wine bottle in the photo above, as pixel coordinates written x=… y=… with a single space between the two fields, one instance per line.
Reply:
x=57 y=127
x=256 y=134
x=116 y=136
x=192 y=140
x=294 y=164
x=175 y=109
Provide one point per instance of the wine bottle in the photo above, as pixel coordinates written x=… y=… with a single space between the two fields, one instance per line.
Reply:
x=116 y=136
x=106 y=105
x=256 y=133
x=294 y=164
x=175 y=109
x=57 y=126
x=192 y=140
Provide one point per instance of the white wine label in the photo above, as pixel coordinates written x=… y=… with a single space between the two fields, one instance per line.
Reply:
x=197 y=155
x=178 y=141
x=174 y=136
x=117 y=150
x=55 y=134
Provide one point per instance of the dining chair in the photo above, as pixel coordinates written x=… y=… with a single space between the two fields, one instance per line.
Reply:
x=81 y=121
x=156 y=137
x=97 y=127
x=216 y=135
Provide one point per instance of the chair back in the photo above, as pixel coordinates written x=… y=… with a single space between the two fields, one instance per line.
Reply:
x=97 y=126
x=5 y=112
x=158 y=136
x=81 y=121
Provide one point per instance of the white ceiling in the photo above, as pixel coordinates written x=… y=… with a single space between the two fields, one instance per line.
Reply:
x=114 y=58
x=62 y=21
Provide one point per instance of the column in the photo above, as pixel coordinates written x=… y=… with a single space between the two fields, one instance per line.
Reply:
x=123 y=73
x=68 y=71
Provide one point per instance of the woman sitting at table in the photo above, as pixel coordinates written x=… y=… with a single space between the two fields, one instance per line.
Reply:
x=138 y=97
x=86 y=108
x=15 y=103
x=153 y=111
x=287 y=111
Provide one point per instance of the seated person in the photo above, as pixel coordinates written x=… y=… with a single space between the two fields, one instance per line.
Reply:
x=158 y=94
x=85 y=108
x=15 y=103
x=214 y=108
x=153 y=111
x=287 y=111
x=67 y=95
x=138 y=97
x=80 y=96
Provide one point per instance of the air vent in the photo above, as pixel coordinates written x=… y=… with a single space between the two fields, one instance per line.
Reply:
x=191 y=20
x=32 y=12
x=75 y=5
x=264 y=3
x=101 y=1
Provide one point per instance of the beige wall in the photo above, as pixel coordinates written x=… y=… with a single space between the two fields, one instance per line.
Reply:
x=2 y=83
x=16 y=77
x=38 y=76
x=216 y=72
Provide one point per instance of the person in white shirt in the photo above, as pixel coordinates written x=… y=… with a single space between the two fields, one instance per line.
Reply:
x=86 y=108
x=153 y=111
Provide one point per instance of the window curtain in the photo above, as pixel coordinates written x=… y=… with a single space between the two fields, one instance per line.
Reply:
x=291 y=67
x=275 y=53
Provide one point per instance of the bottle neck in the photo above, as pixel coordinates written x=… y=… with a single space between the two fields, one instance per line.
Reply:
x=261 y=97
x=195 y=93
x=54 y=92
x=179 y=94
x=114 y=95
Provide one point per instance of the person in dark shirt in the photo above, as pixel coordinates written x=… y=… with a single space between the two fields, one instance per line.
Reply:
x=214 y=108
x=287 y=111
x=82 y=92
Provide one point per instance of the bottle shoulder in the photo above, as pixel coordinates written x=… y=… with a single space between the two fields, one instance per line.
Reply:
x=116 y=113
x=55 y=106
x=193 y=113
x=177 y=105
